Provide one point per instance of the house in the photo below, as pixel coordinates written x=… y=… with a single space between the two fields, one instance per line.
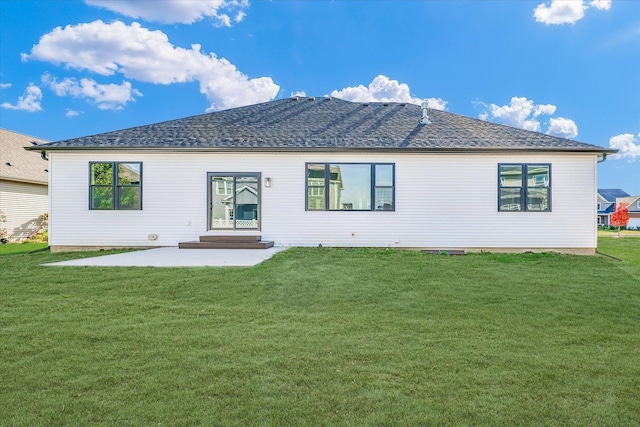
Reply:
x=23 y=186
x=633 y=203
x=608 y=199
x=307 y=171
x=606 y=204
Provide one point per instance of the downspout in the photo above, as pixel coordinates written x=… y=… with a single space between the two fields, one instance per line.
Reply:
x=43 y=155
x=604 y=157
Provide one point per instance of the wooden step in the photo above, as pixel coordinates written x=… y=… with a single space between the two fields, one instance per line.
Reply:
x=225 y=245
x=231 y=239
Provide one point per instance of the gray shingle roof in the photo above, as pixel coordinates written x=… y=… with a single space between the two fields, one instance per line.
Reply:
x=321 y=123
x=17 y=164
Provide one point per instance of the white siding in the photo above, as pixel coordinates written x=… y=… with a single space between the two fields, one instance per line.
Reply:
x=442 y=201
x=22 y=204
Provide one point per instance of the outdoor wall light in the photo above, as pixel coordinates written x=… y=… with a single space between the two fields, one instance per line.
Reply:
x=267 y=182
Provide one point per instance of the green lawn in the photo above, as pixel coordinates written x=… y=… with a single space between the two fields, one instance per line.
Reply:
x=325 y=337
x=21 y=248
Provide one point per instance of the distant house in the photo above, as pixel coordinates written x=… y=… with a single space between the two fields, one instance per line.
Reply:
x=634 y=210
x=310 y=171
x=23 y=185
x=607 y=200
x=606 y=204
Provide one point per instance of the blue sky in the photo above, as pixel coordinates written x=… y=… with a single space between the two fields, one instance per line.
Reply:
x=566 y=67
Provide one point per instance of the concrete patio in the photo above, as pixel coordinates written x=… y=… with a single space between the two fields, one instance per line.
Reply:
x=174 y=257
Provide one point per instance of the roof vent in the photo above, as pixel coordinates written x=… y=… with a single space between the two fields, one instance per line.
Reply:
x=425 y=116
x=294 y=98
x=313 y=98
x=8 y=164
x=327 y=98
x=385 y=104
x=34 y=142
x=365 y=104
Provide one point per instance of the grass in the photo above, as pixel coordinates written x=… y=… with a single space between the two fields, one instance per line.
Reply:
x=21 y=248
x=324 y=337
x=623 y=233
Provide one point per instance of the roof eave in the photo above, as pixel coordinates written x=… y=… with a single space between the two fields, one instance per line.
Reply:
x=24 y=181
x=594 y=150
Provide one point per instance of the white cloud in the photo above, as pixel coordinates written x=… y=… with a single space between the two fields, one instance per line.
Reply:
x=29 y=101
x=520 y=113
x=627 y=145
x=148 y=56
x=560 y=12
x=628 y=34
x=524 y=113
x=177 y=11
x=299 y=93
x=239 y=16
x=437 y=103
x=107 y=97
x=381 y=89
x=547 y=109
x=601 y=4
x=564 y=128
x=5 y=85
x=73 y=113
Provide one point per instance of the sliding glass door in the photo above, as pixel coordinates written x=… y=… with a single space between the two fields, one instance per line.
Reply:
x=234 y=201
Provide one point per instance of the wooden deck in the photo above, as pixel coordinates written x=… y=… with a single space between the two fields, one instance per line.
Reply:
x=227 y=242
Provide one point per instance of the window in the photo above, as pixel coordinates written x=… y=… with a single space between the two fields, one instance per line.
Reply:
x=115 y=185
x=234 y=201
x=599 y=206
x=350 y=186
x=524 y=187
x=224 y=186
x=315 y=187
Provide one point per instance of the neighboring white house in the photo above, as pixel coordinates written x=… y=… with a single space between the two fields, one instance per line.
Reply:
x=23 y=185
x=321 y=171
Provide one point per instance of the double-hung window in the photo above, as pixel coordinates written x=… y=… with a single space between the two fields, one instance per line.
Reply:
x=115 y=185
x=524 y=187
x=350 y=186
